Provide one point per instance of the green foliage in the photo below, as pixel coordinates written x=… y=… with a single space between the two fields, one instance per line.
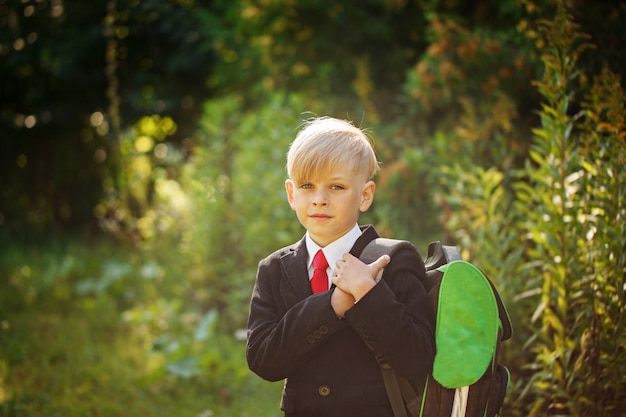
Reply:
x=65 y=69
x=70 y=348
x=552 y=236
x=303 y=45
x=143 y=195
x=552 y=227
x=579 y=311
x=604 y=247
x=466 y=94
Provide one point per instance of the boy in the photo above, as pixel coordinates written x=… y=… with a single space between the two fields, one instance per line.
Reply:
x=316 y=340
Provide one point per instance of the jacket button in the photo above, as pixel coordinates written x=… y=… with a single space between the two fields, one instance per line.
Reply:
x=310 y=338
x=324 y=390
x=324 y=329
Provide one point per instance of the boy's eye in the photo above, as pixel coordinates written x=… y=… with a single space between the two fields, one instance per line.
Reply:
x=309 y=186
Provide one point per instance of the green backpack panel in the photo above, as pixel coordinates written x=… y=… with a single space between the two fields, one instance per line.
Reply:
x=467 y=317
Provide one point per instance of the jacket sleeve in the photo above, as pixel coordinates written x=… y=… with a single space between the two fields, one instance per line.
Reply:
x=282 y=329
x=396 y=317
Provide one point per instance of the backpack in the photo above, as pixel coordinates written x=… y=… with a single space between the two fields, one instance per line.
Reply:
x=466 y=380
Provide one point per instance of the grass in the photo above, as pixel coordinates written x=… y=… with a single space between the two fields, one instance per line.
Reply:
x=65 y=351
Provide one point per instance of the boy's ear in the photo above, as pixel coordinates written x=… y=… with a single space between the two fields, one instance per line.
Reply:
x=367 y=196
x=291 y=197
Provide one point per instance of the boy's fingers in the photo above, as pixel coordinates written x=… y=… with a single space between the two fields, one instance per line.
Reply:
x=381 y=262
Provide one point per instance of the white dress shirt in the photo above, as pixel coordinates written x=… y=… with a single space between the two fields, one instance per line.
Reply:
x=333 y=251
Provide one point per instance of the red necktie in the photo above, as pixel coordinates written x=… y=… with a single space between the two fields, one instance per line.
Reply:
x=319 y=282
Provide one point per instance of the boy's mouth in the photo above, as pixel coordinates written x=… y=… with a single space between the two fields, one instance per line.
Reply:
x=320 y=216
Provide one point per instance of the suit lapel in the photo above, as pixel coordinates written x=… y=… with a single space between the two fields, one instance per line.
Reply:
x=294 y=270
x=368 y=233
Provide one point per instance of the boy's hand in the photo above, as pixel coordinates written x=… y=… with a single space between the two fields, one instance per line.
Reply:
x=356 y=278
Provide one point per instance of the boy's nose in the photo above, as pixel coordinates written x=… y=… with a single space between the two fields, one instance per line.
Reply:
x=320 y=199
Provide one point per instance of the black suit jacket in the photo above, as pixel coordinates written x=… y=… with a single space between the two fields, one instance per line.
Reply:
x=329 y=370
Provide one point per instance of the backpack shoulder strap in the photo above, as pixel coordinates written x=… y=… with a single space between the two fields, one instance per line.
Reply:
x=400 y=392
x=384 y=246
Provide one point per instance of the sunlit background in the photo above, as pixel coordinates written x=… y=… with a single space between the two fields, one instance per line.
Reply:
x=142 y=153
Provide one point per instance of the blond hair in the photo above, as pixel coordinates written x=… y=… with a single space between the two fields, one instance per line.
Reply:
x=325 y=144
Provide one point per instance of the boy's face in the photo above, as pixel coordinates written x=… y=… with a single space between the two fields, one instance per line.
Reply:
x=329 y=207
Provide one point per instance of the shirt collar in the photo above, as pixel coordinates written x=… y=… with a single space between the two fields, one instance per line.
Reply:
x=335 y=250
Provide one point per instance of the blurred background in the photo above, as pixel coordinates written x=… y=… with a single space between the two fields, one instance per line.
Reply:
x=142 y=153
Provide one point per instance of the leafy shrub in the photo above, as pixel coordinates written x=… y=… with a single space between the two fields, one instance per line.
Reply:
x=553 y=236
x=465 y=95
